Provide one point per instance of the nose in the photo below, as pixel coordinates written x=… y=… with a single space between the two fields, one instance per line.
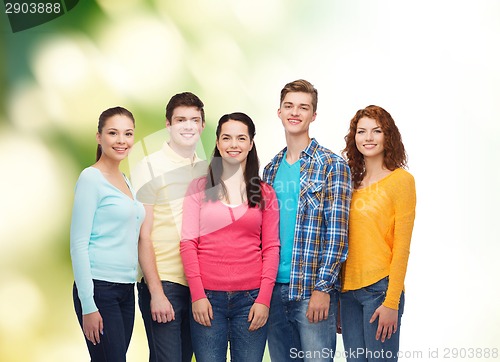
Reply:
x=189 y=124
x=121 y=138
x=369 y=136
x=233 y=143
x=295 y=111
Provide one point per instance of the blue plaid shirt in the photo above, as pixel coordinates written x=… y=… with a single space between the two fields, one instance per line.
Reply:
x=320 y=242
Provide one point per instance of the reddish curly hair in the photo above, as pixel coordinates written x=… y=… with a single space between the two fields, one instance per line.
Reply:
x=394 y=150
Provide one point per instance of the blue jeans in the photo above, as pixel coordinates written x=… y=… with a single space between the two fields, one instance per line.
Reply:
x=358 y=334
x=168 y=341
x=292 y=337
x=231 y=324
x=116 y=304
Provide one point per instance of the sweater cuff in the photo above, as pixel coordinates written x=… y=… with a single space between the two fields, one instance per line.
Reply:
x=390 y=303
x=196 y=289
x=265 y=294
x=88 y=306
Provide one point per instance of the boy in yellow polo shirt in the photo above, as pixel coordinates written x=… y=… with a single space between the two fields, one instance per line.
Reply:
x=161 y=180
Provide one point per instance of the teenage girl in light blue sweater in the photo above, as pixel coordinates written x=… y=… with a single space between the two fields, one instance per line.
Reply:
x=104 y=233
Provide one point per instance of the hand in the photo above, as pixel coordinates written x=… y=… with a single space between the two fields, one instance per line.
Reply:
x=202 y=312
x=93 y=327
x=387 y=322
x=318 y=307
x=258 y=316
x=161 y=309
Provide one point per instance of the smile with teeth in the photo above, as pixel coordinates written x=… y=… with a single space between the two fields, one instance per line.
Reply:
x=294 y=121
x=233 y=153
x=120 y=149
x=370 y=145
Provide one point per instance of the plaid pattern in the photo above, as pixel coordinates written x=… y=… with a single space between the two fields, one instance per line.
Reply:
x=320 y=245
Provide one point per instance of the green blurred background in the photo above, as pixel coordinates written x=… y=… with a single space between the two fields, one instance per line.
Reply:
x=434 y=65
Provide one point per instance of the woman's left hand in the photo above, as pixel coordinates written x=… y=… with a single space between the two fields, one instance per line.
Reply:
x=258 y=316
x=387 y=322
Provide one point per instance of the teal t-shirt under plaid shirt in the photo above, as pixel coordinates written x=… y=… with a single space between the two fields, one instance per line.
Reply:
x=286 y=186
x=321 y=220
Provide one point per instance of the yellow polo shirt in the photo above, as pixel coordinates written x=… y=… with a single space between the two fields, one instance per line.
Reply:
x=161 y=179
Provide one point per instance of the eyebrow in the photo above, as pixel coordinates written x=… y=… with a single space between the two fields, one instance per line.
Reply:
x=183 y=117
x=238 y=135
x=116 y=129
x=365 y=128
x=300 y=104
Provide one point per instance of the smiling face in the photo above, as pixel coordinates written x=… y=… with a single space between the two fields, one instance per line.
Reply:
x=117 y=137
x=296 y=112
x=234 y=143
x=185 y=128
x=369 y=138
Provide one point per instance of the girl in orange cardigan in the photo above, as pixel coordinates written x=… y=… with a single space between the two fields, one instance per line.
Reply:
x=380 y=227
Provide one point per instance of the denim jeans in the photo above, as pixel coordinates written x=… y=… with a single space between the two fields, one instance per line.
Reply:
x=116 y=304
x=292 y=337
x=358 y=334
x=169 y=341
x=231 y=324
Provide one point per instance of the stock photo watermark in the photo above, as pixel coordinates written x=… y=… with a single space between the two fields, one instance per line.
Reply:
x=28 y=14
x=453 y=353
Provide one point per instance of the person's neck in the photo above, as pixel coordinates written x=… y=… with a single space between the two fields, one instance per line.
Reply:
x=108 y=166
x=374 y=166
x=233 y=173
x=295 y=144
x=183 y=151
x=234 y=182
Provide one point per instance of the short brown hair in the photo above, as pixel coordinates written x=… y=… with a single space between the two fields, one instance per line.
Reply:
x=186 y=99
x=303 y=86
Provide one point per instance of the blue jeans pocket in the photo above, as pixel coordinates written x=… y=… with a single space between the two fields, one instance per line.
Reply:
x=379 y=287
x=252 y=294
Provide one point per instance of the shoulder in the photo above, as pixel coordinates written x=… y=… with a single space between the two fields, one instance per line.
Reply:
x=156 y=160
x=402 y=175
x=276 y=159
x=402 y=183
x=89 y=182
x=325 y=156
x=267 y=190
x=89 y=174
x=198 y=184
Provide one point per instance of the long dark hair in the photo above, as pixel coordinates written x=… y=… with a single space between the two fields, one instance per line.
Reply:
x=394 y=150
x=215 y=187
x=107 y=114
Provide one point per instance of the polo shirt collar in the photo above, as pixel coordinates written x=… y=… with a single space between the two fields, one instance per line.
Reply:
x=175 y=157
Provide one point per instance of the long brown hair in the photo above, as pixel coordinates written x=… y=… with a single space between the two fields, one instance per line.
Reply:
x=394 y=150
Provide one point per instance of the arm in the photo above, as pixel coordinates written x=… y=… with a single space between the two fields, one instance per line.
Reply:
x=270 y=258
x=161 y=309
x=85 y=205
x=404 y=197
x=190 y=235
x=337 y=199
x=270 y=245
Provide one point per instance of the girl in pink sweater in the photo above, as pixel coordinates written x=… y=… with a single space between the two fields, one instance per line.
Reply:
x=230 y=248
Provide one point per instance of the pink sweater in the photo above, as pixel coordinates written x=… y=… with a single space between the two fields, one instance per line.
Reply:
x=227 y=248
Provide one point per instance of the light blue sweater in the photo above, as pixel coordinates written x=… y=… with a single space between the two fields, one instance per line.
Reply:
x=104 y=234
